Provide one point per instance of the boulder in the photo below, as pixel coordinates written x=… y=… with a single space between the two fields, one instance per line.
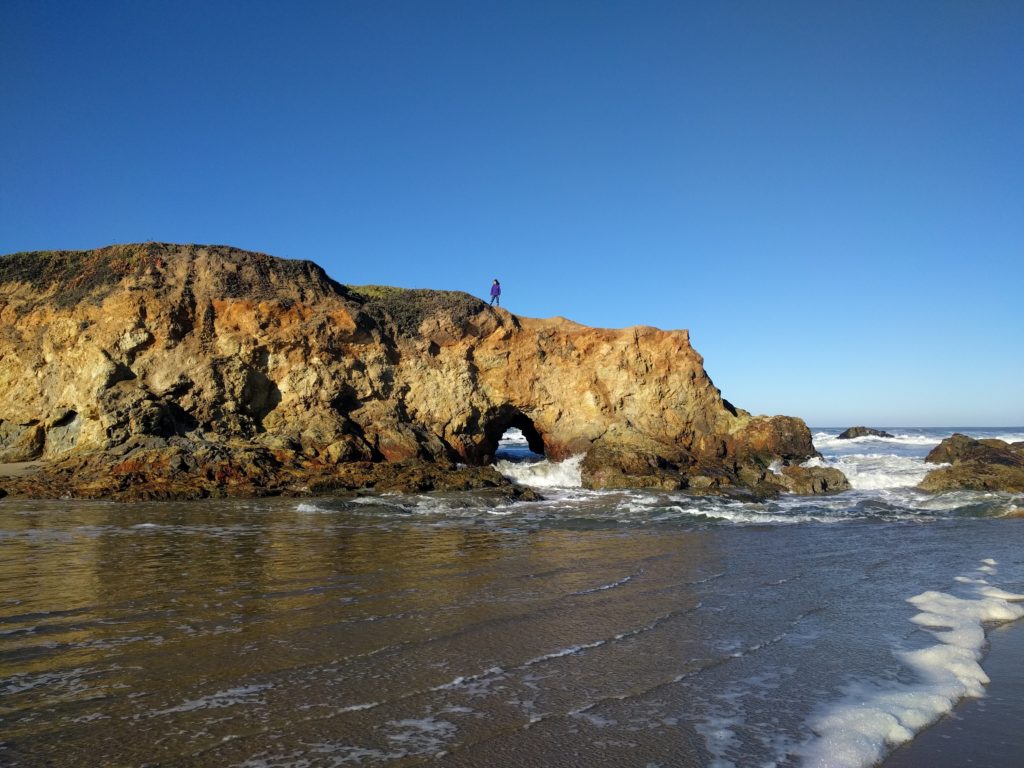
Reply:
x=974 y=476
x=977 y=465
x=960 y=448
x=606 y=468
x=853 y=432
x=808 y=481
x=21 y=442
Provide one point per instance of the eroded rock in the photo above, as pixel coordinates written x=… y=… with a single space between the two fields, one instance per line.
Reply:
x=810 y=481
x=978 y=465
x=958 y=449
x=174 y=371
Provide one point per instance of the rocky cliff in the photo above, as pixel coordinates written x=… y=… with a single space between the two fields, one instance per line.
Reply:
x=177 y=370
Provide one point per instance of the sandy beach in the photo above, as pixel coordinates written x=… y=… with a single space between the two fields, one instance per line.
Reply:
x=587 y=628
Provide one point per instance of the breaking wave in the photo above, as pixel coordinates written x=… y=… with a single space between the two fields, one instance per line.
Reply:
x=544 y=474
x=878 y=471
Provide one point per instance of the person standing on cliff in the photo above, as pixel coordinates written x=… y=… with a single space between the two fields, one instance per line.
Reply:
x=496 y=293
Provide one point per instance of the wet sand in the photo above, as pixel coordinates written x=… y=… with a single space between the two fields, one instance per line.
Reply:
x=591 y=629
x=979 y=732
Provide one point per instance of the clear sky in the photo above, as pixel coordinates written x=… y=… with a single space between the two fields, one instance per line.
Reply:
x=829 y=195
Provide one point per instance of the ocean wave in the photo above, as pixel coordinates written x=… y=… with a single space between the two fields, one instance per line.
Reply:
x=825 y=441
x=877 y=471
x=544 y=474
x=310 y=508
x=513 y=438
x=902 y=440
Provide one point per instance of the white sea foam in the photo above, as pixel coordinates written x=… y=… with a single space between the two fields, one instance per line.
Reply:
x=421 y=736
x=876 y=716
x=409 y=738
x=749 y=514
x=513 y=438
x=1011 y=437
x=473 y=684
x=244 y=694
x=544 y=474
x=570 y=651
x=603 y=587
x=826 y=442
x=310 y=508
x=902 y=442
x=877 y=471
x=662 y=508
x=359 y=707
x=330 y=753
x=71 y=680
x=515 y=447
x=719 y=738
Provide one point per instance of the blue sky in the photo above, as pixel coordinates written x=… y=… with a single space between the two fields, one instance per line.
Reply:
x=830 y=196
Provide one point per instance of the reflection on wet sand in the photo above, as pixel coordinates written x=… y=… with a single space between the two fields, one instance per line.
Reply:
x=253 y=634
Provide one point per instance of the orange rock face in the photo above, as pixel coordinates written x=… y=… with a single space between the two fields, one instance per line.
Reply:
x=129 y=347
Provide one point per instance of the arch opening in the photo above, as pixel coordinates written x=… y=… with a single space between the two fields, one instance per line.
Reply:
x=512 y=436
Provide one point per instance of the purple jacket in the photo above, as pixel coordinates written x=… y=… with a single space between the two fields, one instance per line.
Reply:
x=495 y=289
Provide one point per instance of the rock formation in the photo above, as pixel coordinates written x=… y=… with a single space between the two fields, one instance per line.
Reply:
x=161 y=370
x=977 y=465
x=853 y=432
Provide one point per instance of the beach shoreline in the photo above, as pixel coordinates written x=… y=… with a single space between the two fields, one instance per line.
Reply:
x=978 y=732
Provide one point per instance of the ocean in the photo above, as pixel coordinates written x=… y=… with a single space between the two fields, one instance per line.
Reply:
x=591 y=628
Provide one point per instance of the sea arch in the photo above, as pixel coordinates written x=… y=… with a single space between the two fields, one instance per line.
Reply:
x=499 y=422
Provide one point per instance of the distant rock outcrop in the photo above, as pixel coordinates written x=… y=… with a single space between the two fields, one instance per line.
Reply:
x=978 y=465
x=853 y=432
x=161 y=370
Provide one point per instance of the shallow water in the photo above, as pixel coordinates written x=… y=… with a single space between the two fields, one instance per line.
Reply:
x=592 y=628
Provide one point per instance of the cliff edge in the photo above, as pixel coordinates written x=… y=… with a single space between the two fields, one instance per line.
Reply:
x=160 y=370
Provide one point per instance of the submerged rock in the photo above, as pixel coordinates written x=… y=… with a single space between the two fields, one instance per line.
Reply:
x=977 y=465
x=853 y=432
x=176 y=371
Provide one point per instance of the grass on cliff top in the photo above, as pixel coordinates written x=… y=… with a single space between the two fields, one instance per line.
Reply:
x=407 y=308
x=72 y=276
x=67 y=278
x=76 y=273
x=375 y=292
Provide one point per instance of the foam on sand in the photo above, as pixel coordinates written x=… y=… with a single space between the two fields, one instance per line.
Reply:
x=243 y=694
x=874 y=717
